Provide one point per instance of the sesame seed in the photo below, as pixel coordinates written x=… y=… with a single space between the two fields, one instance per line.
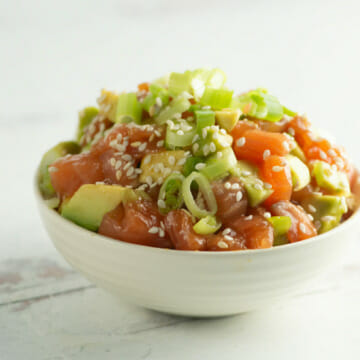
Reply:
x=267 y=215
x=153 y=230
x=127 y=165
x=239 y=196
x=170 y=123
x=323 y=155
x=328 y=218
x=291 y=131
x=118 y=175
x=118 y=164
x=223 y=131
x=161 y=204
x=160 y=180
x=246 y=173
x=312 y=208
x=160 y=143
x=206 y=107
x=130 y=171
x=266 y=154
x=157 y=133
x=228 y=237
x=195 y=147
x=227 y=185
x=241 y=142
x=177 y=116
x=215 y=135
x=310 y=217
x=235 y=186
x=138 y=171
x=226 y=231
x=142 y=147
x=267 y=185
x=158 y=101
x=161 y=233
x=212 y=147
x=195 y=138
x=136 y=144
x=339 y=162
x=171 y=160
x=302 y=228
x=317 y=225
x=286 y=146
x=147 y=159
x=257 y=186
x=52 y=169
x=181 y=161
x=219 y=154
x=180 y=132
x=148 y=180
x=199 y=166
x=204 y=133
x=277 y=168
x=206 y=149
x=250 y=217
x=332 y=152
x=222 y=244
x=127 y=157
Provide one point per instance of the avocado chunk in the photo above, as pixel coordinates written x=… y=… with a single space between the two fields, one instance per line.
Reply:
x=91 y=202
x=210 y=140
x=56 y=152
x=281 y=225
x=219 y=164
x=86 y=116
x=160 y=165
x=327 y=210
x=329 y=178
x=297 y=151
x=299 y=172
x=227 y=118
x=108 y=103
x=249 y=176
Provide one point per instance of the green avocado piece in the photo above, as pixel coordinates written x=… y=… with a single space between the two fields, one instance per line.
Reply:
x=331 y=179
x=227 y=118
x=86 y=116
x=299 y=172
x=249 y=176
x=327 y=210
x=56 y=152
x=281 y=225
x=208 y=136
x=91 y=202
x=297 y=151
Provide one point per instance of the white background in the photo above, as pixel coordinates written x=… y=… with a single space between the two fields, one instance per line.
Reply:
x=56 y=55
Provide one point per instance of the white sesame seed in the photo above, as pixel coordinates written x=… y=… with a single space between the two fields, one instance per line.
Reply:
x=206 y=149
x=222 y=244
x=199 y=166
x=118 y=174
x=148 y=179
x=286 y=146
x=267 y=215
x=127 y=157
x=171 y=160
x=339 y=162
x=180 y=132
x=127 y=165
x=267 y=185
x=235 y=186
x=118 y=164
x=204 y=133
x=161 y=233
x=181 y=161
x=317 y=225
x=112 y=161
x=195 y=138
x=266 y=154
x=206 y=107
x=162 y=225
x=52 y=169
x=246 y=173
x=161 y=204
x=212 y=147
x=291 y=131
x=153 y=230
x=195 y=147
x=328 y=218
x=257 y=187
x=219 y=154
x=130 y=171
x=332 y=152
x=160 y=143
x=138 y=171
x=147 y=159
x=158 y=133
x=312 y=208
x=239 y=196
x=302 y=228
x=143 y=146
x=160 y=180
x=158 y=101
x=223 y=131
x=170 y=123
x=323 y=155
x=228 y=237
x=227 y=185
x=226 y=231
x=250 y=217
x=277 y=168
x=310 y=217
x=136 y=144
x=241 y=142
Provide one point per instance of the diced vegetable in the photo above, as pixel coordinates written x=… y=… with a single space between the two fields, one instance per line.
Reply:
x=300 y=173
x=176 y=106
x=86 y=116
x=178 y=137
x=227 y=118
x=108 y=101
x=128 y=109
x=170 y=195
x=205 y=192
x=216 y=98
x=204 y=118
x=190 y=164
x=207 y=225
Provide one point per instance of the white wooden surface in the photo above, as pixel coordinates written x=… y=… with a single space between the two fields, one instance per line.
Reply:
x=54 y=58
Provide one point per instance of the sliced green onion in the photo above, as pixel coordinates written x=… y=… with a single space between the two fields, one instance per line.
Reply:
x=179 y=82
x=177 y=106
x=216 y=98
x=288 y=112
x=170 y=193
x=179 y=138
x=128 y=109
x=190 y=164
x=217 y=167
x=207 y=225
x=86 y=116
x=206 y=192
x=204 y=118
x=194 y=107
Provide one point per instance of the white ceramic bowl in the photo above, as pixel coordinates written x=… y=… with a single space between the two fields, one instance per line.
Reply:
x=194 y=283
